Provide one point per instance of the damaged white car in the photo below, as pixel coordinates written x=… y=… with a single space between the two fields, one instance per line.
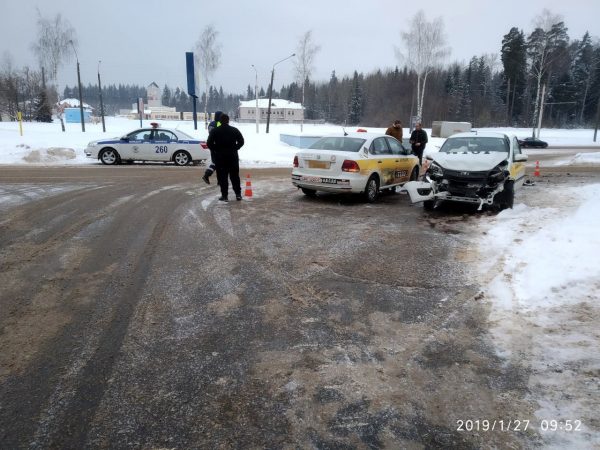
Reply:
x=481 y=168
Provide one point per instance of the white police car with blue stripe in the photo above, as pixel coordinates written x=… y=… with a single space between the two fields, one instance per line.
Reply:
x=150 y=144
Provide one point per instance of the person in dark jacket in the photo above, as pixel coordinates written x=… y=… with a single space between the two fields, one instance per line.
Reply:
x=395 y=130
x=418 y=141
x=224 y=142
x=212 y=125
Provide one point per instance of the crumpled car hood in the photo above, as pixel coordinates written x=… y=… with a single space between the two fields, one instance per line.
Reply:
x=470 y=161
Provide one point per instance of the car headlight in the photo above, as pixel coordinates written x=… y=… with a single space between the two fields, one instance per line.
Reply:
x=498 y=173
x=435 y=170
x=92 y=144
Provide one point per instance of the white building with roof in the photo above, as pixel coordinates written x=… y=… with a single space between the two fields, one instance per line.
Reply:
x=282 y=111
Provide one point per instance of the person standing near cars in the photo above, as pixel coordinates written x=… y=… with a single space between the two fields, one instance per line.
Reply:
x=215 y=123
x=395 y=130
x=224 y=142
x=418 y=141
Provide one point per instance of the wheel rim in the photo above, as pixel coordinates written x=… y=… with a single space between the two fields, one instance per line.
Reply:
x=372 y=189
x=181 y=159
x=109 y=157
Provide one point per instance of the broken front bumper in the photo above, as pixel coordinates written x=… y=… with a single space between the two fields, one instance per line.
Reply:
x=421 y=191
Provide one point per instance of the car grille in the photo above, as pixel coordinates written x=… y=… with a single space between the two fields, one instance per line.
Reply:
x=465 y=183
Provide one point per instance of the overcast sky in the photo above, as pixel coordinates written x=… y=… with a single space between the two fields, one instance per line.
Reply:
x=141 y=41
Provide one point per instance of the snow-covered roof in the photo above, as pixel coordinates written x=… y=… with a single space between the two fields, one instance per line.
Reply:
x=275 y=103
x=73 y=103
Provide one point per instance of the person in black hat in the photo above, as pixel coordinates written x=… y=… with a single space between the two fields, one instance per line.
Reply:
x=224 y=142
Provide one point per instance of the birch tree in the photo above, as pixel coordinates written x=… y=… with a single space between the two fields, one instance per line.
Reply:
x=304 y=64
x=549 y=36
x=207 y=58
x=52 y=46
x=425 y=45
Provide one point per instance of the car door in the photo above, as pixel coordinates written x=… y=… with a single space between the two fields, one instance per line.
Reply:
x=517 y=169
x=138 y=146
x=403 y=162
x=385 y=162
x=163 y=145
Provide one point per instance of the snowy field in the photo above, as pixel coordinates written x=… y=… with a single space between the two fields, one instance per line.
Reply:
x=538 y=261
x=46 y=144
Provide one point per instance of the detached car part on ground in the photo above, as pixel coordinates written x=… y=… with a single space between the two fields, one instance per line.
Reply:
x=482 y=169
x=359 y=163
x=150 y=144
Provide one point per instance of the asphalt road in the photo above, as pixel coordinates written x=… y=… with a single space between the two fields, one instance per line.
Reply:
x=137 y=311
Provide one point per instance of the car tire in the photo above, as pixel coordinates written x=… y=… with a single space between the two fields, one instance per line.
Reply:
x=414 y=175
x=109 y=156
x=429 y=205
x=181 y=158
x=371 y=189
x=309 y=192
x=506 y=198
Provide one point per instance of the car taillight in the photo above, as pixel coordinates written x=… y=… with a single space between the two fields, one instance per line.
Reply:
x=203 y=145
x=350 y=166
x=295 y=161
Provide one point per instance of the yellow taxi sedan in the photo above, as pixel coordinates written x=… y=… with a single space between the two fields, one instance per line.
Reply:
x=360 y=163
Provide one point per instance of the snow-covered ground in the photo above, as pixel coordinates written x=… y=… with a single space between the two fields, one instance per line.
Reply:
x=46 y=144
x=543 y=284
x=543 y=289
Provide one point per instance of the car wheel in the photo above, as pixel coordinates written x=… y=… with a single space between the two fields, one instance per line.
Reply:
x=428 y=205
x=506 y=198
x=181 y=158
x=309 y=192
x=109 y=156
x=414 y=175
x=509 y=194
x=371 y=189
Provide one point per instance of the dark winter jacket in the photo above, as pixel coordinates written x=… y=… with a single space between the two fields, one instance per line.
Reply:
x=418 y=136
x=224 y=142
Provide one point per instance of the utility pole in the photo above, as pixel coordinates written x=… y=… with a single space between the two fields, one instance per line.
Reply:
x=256 y=96
x=79 y=83
x=597 y=119
x=271 y=89
x=101 y=103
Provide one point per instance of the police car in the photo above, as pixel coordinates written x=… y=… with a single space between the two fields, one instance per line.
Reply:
x=361 y=163
x=150 y=144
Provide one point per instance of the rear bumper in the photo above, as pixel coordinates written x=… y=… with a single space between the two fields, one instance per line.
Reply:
x=328 y=184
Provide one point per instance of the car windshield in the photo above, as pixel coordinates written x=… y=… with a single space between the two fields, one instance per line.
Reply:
x=475 y=144
x=339 y=143
x=183 y=136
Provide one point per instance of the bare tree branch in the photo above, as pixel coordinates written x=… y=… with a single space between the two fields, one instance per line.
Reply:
x=207 y=59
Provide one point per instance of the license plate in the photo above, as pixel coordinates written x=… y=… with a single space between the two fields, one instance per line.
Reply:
x=319 y=164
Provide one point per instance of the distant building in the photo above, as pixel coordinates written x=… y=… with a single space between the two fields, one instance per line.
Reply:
x=71 y=111
x=154 y=95
x=282 y=111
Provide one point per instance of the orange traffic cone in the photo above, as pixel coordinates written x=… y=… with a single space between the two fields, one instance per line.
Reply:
x=536 y=173
x=248 y=191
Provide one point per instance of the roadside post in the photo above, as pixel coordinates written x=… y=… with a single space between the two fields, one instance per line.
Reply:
x=20 y=119
x=191 y=84
x=140 y=109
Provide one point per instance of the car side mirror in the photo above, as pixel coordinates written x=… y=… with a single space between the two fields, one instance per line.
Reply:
x=429 y=157
x=124 y=138
x=520 y=158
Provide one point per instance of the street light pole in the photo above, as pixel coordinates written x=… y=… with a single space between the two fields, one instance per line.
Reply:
x=101 y=103
x=256 y=96
x=271 y=89
x=79 y=83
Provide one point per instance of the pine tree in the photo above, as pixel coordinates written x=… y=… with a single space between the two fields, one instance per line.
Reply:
x=43 y=112
x=356 y=101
